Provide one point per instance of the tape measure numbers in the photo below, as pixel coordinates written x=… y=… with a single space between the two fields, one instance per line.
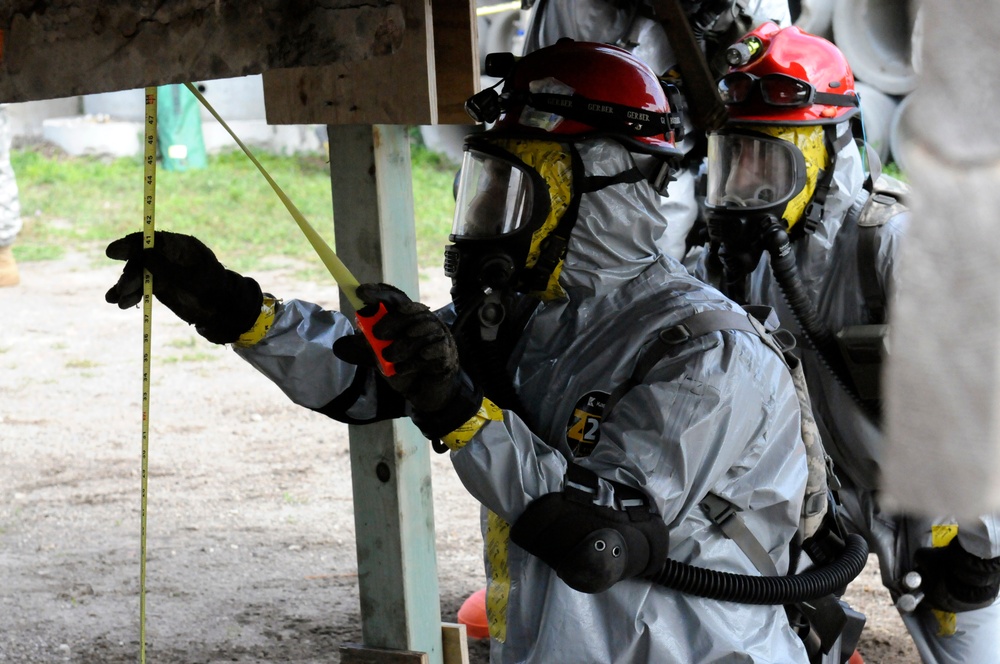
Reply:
x=148 y=223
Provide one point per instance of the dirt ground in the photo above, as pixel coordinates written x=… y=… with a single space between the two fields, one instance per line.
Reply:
x=251 y=553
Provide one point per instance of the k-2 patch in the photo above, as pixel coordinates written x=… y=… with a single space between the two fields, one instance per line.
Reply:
x=583 y=430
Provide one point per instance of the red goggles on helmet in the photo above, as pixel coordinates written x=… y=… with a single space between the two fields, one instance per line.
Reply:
x=777 y=90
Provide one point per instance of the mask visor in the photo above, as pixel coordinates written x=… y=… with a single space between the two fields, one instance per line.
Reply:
x=751 y=171
x=494 y=197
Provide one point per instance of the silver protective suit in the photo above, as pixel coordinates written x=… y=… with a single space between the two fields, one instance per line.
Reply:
x=720 y=415
x=828 y=264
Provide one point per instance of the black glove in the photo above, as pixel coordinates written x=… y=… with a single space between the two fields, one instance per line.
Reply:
x=955 y=580
x=425 y=357
x=190 y=281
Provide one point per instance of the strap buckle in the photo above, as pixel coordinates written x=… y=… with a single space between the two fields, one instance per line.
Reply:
x=677 y=334
x=718 y=509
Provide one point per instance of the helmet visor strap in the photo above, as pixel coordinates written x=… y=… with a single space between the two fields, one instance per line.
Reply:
x=607 y=116
x=751 y=171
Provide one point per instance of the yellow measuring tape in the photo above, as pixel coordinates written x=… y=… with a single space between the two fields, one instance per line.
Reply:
x=347 y=282
x=498 y=9
x=148 y=222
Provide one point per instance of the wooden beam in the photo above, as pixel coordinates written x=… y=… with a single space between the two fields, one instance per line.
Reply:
x=353 y=653
x=425 y=82
x=456 y=58
x=455 y=643
x=72 y=48
x=390 y=461
x=397 y=90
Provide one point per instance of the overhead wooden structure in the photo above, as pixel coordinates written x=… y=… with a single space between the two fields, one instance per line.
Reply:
x=324 y=61
x=365 y=70
x=392 y=90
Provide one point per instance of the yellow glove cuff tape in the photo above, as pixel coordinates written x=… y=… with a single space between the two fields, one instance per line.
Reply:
x=458 y=438
x=262 y=326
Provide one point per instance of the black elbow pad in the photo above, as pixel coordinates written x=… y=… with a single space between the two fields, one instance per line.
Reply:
x=592 y=547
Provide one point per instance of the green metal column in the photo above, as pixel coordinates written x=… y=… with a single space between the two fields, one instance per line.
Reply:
x=390 y=461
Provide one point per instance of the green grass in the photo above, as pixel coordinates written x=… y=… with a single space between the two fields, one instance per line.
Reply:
x=893 y=170
x=189 y=357
x=82 y=203
x=189 y=342
x=81 y=364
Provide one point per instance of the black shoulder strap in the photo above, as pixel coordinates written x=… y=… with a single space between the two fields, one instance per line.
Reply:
x=871 y=288
x=887 y=199
x=812 y=217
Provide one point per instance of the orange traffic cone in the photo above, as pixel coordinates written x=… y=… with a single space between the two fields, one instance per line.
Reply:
x=856 y=658
x=473 y=615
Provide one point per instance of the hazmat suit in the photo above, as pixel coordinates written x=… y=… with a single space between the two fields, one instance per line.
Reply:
x=717 y=414
x=845 y=231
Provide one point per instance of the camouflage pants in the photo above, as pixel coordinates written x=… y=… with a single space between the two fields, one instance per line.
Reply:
x=10 y=207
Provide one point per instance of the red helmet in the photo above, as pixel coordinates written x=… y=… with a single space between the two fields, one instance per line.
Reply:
x=578 y=89
x=784 y=76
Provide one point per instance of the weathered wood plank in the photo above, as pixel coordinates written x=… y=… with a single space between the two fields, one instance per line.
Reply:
x=402 y=89
x=70 y=47
x=456 y=58
x=353 y=653
x=454 y=643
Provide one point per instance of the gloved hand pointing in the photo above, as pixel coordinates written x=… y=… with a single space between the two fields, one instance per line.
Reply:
x=190 y=281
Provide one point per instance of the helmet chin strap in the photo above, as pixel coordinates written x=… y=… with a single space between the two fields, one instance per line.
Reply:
x=812 y=217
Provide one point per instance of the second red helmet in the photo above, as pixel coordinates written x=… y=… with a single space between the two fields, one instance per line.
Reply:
x=784 y=76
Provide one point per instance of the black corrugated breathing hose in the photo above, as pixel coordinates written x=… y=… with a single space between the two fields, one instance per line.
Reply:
x=745 y=589
x=786 y=274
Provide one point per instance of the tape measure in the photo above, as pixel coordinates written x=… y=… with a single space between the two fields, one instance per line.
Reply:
x=148 y=223
x=345 y=280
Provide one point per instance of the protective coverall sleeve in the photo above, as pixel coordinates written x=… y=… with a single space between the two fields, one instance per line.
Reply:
x=505 y=466
x=297 y=355
x=981 y=536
